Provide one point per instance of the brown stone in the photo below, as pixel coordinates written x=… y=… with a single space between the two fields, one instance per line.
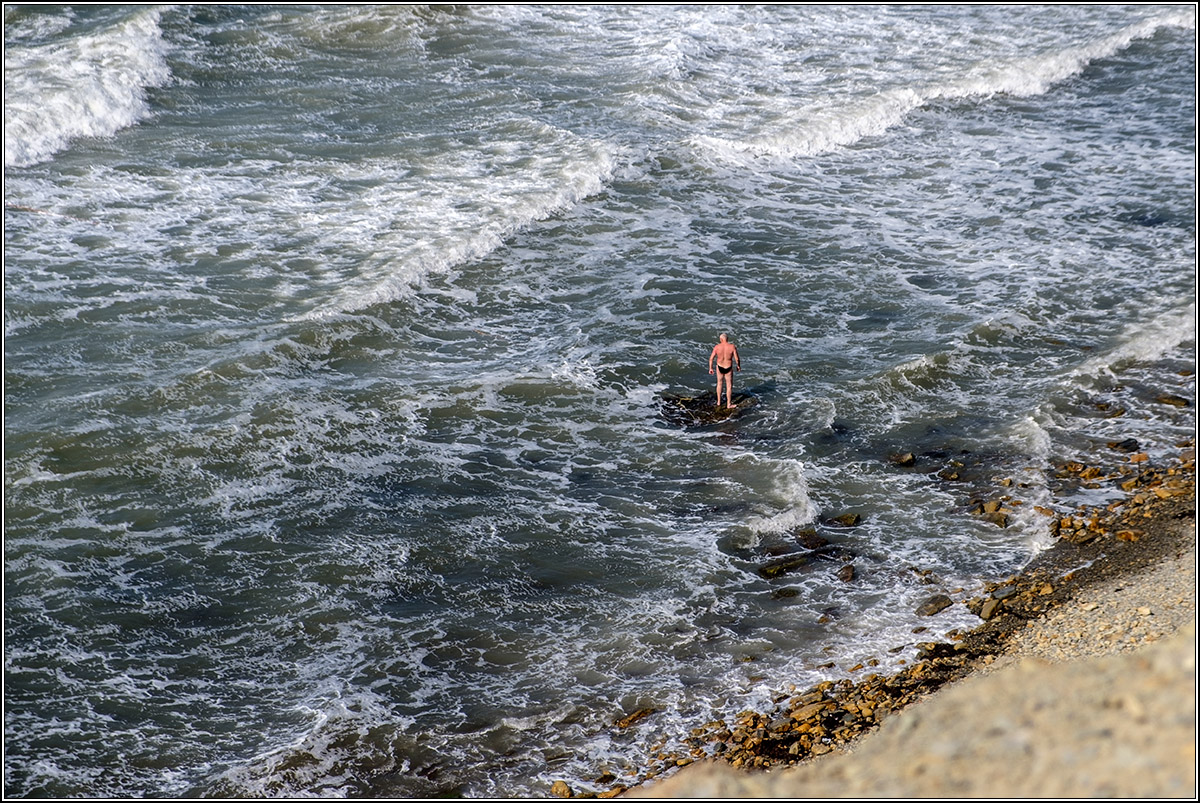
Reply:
x=1174 y=401
x=810 y=540
x=777 y=568
x=934 y=605
x=811 y=710
x=560 y=789
x=636 y=716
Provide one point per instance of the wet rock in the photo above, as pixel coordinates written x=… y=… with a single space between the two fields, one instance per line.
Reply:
x=906 y=459
x=777 y=568
x=999 y=519
x=561 y=789
x=989 y=609
x=702 y=410
x=636 y=716
x=1077 y=535
x=1174 y=401
x=1127 y=445
x=926 y=576
x=845 y=520
x=810 y=540
x=846 y=573
x=934 y=605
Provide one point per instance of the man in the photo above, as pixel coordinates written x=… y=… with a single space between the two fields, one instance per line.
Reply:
x=726 y=356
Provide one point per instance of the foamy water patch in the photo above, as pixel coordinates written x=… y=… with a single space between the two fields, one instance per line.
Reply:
x=814 y=131
x=89 y=86
x=1036 y=75
x=21 y=28
x=786 y=495
x=488 y=196
x=784 y=134
x=1142 y=342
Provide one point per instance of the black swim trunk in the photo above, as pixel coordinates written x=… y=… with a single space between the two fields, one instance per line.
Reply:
x=725 y=370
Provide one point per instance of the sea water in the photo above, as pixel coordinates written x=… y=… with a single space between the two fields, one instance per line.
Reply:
x=336 y=339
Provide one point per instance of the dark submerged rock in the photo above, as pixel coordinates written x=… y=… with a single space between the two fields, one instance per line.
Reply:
x=777 y=568
x=702 y=410
x=810 y=540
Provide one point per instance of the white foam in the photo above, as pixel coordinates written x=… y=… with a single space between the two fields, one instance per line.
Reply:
x=34 y=27
x=89 y=86
x=579 y=372
x=1143 y=342
x=1033 y=438
x=814 y=130
x=787 y=494
x=1035 y=76
x=317 y=757
x=469 y=205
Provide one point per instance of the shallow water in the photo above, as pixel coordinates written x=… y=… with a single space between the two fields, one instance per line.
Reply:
x=336 y=337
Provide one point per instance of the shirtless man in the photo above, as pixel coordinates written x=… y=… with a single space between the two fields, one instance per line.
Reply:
x=726 y=355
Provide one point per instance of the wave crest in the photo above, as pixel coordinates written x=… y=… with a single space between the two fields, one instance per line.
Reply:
x=813 y=131
x=86 y=86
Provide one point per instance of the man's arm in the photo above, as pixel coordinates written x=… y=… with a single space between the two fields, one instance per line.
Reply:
x=711 y=357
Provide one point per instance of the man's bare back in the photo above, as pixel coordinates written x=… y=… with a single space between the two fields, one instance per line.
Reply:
x=726 y=356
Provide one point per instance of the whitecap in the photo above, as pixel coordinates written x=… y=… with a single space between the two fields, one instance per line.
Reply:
x=819 y=129
x=88 y=86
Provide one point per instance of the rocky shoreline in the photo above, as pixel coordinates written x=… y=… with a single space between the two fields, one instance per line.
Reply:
x=1097 y=549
